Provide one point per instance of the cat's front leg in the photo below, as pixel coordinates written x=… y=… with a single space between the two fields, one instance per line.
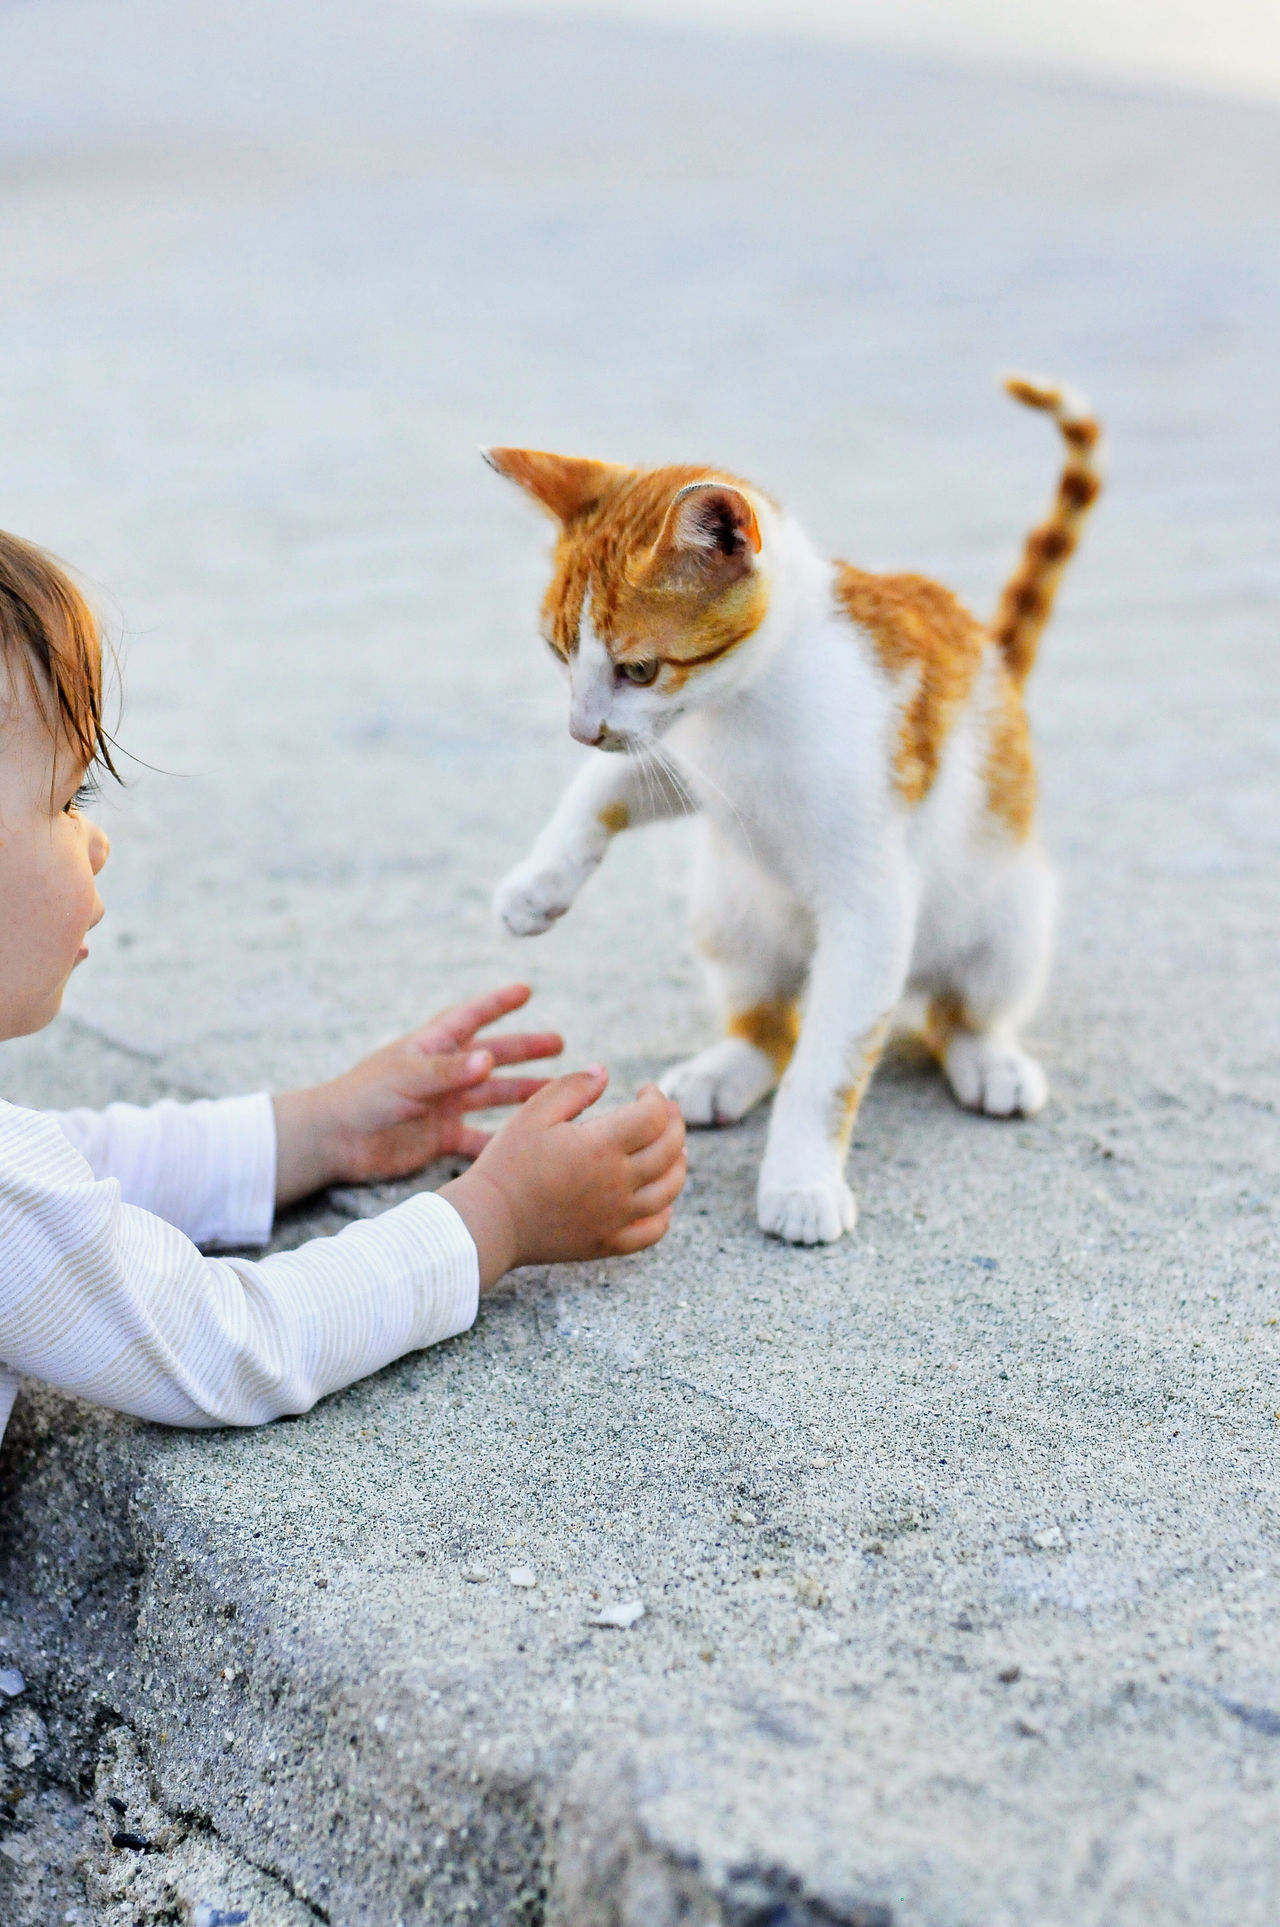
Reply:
x=611 y=793
x=858 y=973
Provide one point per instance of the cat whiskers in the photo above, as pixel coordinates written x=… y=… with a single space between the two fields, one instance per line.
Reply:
x=656 y=778
x=652 y=794
x=671 y=769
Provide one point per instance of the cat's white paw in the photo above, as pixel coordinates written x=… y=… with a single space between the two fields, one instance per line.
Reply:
x=530 y=900
x=993 y=1074
x=721 y=1084
x=807 y=1214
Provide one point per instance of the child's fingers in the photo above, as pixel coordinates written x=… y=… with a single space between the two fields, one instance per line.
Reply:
x=522 y=1049
x=452 y=1071
x=645 y=1232
x=458 y=1025
x=471 y=1143
x=497 y=1092
x=653 y=1160
x=662 y=1192
x=567 y=1097
x=640 y=1122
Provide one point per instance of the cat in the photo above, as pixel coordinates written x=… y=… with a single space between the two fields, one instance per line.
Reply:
x=856 y=749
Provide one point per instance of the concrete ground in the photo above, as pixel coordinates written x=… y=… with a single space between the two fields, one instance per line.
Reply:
x=958 y=1542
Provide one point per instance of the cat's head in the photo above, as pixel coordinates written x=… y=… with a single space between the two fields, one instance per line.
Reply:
x=659 y=577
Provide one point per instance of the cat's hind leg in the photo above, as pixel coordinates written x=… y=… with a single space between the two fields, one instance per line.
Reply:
x=987 y=1068
x=755 y=941
x=991 y=987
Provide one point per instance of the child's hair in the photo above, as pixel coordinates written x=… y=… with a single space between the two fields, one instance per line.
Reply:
x=49 y=636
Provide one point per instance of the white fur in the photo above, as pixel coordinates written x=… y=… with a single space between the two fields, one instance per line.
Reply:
x=812 y=876
x=591 y=680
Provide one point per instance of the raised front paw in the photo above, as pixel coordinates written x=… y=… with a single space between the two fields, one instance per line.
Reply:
x=530 y=900
x=721 y=1084
x=994 y=1075
x=807 y=1214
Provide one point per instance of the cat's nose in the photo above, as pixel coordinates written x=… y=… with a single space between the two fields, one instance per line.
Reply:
x=588 y=718
x=590 y=701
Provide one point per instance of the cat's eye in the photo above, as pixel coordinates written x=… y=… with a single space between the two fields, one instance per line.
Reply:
x=640 y=673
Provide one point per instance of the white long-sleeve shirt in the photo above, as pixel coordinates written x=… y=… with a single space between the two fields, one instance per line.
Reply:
x=104 y=1293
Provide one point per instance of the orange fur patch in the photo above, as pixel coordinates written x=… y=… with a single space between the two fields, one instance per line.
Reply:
x=927 y=640
x=565 y=485
x=1078 y=489
x=1010 y=770
x=1081 y=435
x=685 y=621
x=946 y=1015
x=1028 y=595
x=772 y=1027
x=848 y=1100
x=615 y=818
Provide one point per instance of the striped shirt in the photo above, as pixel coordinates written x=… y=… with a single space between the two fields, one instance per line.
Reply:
x=104 y=1292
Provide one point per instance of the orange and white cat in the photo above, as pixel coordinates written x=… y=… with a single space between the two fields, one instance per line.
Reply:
x=856 y=749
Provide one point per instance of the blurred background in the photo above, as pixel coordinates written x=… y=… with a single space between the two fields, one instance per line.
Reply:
x=270 y=273
x=1227 y=45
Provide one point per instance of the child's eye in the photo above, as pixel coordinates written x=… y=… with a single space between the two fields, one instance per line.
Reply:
x=642 y=673
x=85 y=795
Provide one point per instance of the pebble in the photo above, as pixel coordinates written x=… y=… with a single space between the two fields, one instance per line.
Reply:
x=742 y=1518
x=522 y=1576
x=1049 y=1540
x=476 y=1575
x=11 y=1682
x=204 y=1914
x=26 y=1738
x=623 y=1614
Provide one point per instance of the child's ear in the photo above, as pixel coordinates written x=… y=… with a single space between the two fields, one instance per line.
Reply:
x=710 y=534
x=566 y=485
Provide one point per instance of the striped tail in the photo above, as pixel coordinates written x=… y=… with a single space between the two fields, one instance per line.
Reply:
x=1027 y=601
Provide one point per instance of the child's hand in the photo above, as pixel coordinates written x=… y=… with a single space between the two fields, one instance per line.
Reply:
x=406 y=1104
x=549 y=1188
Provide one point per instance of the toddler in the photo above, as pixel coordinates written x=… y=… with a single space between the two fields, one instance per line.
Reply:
x=103 y=1288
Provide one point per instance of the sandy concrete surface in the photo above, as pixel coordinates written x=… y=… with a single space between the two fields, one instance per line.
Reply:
x=958 y=1541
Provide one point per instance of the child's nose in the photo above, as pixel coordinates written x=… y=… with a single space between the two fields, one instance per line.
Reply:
x=99 y=848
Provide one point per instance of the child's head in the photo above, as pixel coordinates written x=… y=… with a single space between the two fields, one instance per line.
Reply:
x=51 y=738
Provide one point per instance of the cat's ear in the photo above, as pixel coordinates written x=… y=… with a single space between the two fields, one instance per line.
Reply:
x=710 y=531
x=566 y=485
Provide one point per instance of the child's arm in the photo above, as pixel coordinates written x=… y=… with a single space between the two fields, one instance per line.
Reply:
x=218 y=1169
x=408 y=1103
x=208 y=1168
x=111 y=1303
x=553 y=1187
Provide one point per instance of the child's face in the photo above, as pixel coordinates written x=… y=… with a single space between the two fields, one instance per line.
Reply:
x=50 y=856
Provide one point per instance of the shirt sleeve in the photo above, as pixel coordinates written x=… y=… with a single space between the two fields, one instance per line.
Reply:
x=112 y=1303
x=209 y=1168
